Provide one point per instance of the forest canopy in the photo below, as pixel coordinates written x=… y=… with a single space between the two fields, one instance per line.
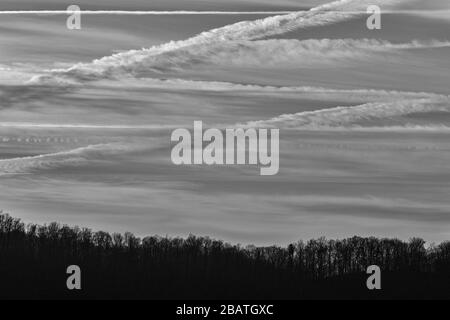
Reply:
x=34 y=258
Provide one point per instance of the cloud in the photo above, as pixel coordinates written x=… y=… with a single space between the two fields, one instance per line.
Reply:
x=141 y=13
x=309 y=92
x=54 y=160
x=243 y=31
x=270 y=53
x=365 y=115
x=26 y=125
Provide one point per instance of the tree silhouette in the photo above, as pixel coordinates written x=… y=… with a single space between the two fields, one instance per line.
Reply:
x=34 y=258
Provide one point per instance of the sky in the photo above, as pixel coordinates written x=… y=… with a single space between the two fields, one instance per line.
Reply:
x=86 y=118
x=159 y=4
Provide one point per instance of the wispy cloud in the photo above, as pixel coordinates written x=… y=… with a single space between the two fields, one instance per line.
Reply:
x=309 y=92
x=318 y=53
x=80 y=126
x=301 y=53
x=141 y=13
x=364 y=115
x=65 y=158
x=247 y=30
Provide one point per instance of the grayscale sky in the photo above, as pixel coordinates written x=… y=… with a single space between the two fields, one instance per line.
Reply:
x=364 y=117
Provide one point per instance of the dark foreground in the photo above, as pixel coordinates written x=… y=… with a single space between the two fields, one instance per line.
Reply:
x=34 y=260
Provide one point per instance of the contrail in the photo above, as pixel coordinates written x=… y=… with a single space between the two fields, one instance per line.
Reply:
x=350 y=117
x=122 y=12
x=186 y=12
x=82 y=126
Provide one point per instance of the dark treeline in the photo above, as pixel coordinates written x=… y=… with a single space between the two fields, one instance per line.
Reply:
x=34 y=258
